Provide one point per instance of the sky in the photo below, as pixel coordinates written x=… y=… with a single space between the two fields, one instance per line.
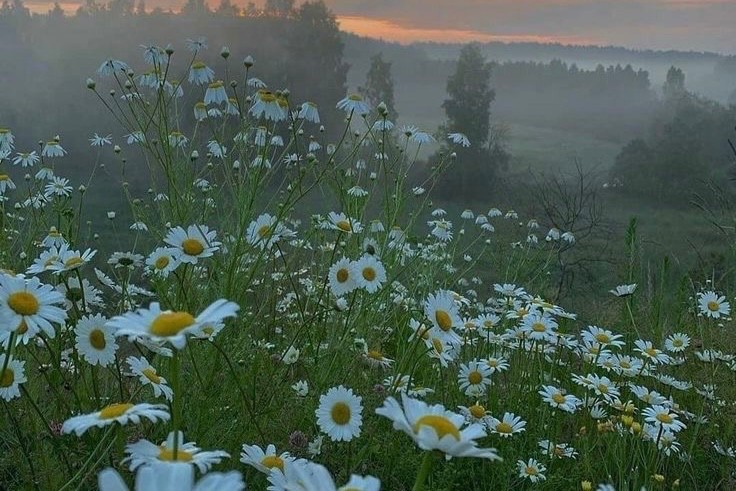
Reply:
x=701 y=25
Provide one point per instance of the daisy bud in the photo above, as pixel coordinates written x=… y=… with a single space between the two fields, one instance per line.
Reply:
x=373 y=176
x=321 y=129
x=27 y=177
x=341 y=304
x=128 y=84
x=225 y=52
x=453 y=155
x=150 y=191
x=248 y=61
x=17 y=206
x=300 y=132
x=130 y=72
x=116 y=149
x=169 y=50
x=210 y=165
x=236 y=165
x=91 y=84
x=96 y=236
x=23 y=255
x=112 y=92
x=111 y=215
x=286 y=93
x=233 y=83
x=82 y=188
x=586 y=486
x=658 y=477
x=249 y=99
x=194 y=156
x=382 y=109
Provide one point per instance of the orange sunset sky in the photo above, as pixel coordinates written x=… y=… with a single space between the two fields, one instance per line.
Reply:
x=708 y=25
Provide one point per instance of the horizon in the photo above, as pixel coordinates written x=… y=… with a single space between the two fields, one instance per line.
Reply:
x=363 y=20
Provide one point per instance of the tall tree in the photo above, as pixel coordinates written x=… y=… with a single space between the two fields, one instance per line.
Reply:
x=195 y=8
x=279 y=8
x=674 y=85
x=468 y=111
x=227 y=8
x=379 y=85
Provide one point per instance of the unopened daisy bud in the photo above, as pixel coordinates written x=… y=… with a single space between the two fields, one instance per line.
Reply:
x=586 y=486
x=194 y=156
x=382 y=109
x=96 y=236
x=341 y=304
x=91 y=84
x=453 y=155
x=321 y=129
x=82 y=188
x=236 y=165
x=248 y=100
x=658 y=478
x=23 y=255
x=636 y=427
x=286 y=93
x=676 y=483
x=225 y=52
x=116 y=149
x=17 y=206
x=27 y=177
x=627 y=420
x=128 y=84
x=111 y=215
x=373 y=176
x=233 y=83
x=300 y=132
x=150 y=191
x=248 y=61
x=112 y=92
x=169 y=50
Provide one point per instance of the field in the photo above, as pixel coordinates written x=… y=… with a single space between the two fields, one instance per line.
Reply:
x=314 y=320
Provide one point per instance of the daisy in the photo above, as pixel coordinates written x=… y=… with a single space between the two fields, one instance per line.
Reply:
x=303 y=475
x=442 y=229
x=144 y=452
x=539 y=326
x=30 y=302
x=662 y=417
x=122 y=413
x=160 y=326
x=171 y=476
x=603 y=337
x=507 y=426
x=496 y=364
x=651 y=353
x=69 y=259
x=200 y=74
x=677 y=342
x=129 y=260
x=475 y=413
x=53 y=149
x=339 y=221
x=95 y=341
x=354 y=103
x=474 y=378
x=266 y=106
x=6 y=183
x=339 y=414
x=265 y=460
x=196 y=242
x=309 y=112
x=266 y=230
x=441 y=309
x=342 y=277
x=149 y=376
x=110 y=66
x=532 y=470
x=712 y=305
x=557 y=450
x=559 y=400
x=26 y=159
x=11 y=378
x=374 y=358
x=163 y=260
x=436 y=428
x=623 y=290
x=370 y=273
x=459 y=139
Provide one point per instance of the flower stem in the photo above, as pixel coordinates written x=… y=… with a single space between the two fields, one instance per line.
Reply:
x=424 y=471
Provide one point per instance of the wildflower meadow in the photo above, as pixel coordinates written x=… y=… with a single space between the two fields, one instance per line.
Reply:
x=285 y=309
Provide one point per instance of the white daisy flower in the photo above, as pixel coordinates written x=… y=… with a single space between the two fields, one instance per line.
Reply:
x=122 y=413
x=148 y=375
x=474 y=378
x=442 y=311
x=559 y=400
x=624 y=290
x=95 y=341
x=339 y=414
x=163 y=260
x=30 y=302
x=354 y=103
x=713 y=305
x=11 y=378
x=165 y=325
x=196 y=242
x=200 y=74
x=370 y=273
x=342 y=277
x=506 y=426
x=532 y=470
x=171 y=476
x=144 y=452
x=265 y=460
x=341 y=222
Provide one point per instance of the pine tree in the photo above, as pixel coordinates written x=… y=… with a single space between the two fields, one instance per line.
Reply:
x=674 y=85
x=379 y=86
x=279 y=8
x=468 y=111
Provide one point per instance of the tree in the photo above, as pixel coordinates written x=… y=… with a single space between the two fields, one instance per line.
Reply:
x=228 y=9
x=141 y=8
x=250 y=10
x=57 y=13
x=195 y=8
x=468 y=111
x=674 y=85
x=379 y=85
x=279 y=8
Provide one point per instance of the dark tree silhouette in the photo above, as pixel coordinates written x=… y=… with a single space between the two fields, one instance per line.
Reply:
x=379 y=85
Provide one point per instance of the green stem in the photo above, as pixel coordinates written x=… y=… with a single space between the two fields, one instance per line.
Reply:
x=424 y=471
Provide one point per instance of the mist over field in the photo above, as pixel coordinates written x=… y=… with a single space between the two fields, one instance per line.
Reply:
x=405 y=261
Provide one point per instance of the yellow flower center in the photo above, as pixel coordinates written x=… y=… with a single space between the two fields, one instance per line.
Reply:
x=198 y=65
x=440 y=424
x=170 y=323
x=355 y=97
x=4 y=177
x=97 y=339
x=602 y=338
x=444 y=321
x=651 y=352
x=114 y=410
x=265 y=232
x=713 y=306
x=7 y=378
x=475 y=378
x=192 y=247
x=477 y=411
x=167 y=454
x=342 y=275
x=677 y=342
x=344 y=225
x=23 y=303
x=73 y=261
x=558 y=398
x=437 y=345
x=375 y=354
x=150 y=374
x=532 y=471
x=664 y=418
x=340 y=413
x=162 y=262
x=625 y=364
x=603 y=388
x=369 y=274
x=504 y=427
x=492 y=363
x=539 y=327
x=271 y=461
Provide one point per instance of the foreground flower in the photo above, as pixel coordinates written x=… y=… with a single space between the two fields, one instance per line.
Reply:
x=165 y=325
x=122 y=413
x=144 y=452
x=30 y=303
x=435 y=428
x=624 y=290
x=95 y=341
x=302 y=475
x=662 y=417
x=265 y=461
x=340 y=414
x=172 y=476
x=509 y=425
